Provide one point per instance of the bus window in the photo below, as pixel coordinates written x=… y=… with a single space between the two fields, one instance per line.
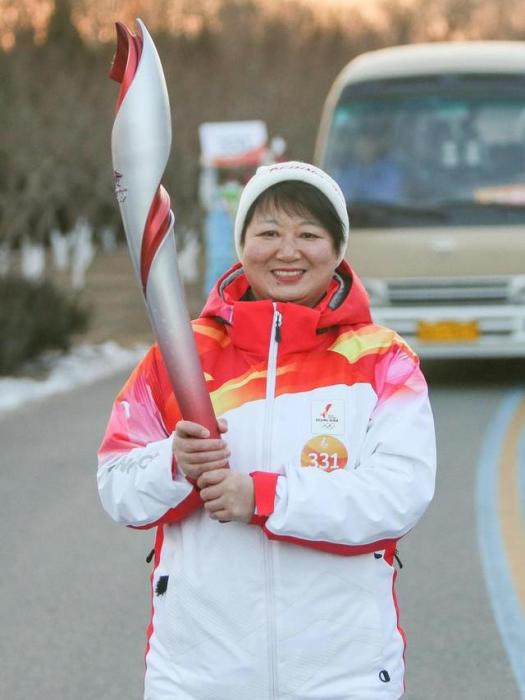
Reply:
x=430 y=149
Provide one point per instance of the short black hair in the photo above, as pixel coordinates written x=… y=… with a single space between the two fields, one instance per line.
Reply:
x=297 y=197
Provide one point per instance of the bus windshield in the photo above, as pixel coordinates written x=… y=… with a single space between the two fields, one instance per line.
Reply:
x=431 y=153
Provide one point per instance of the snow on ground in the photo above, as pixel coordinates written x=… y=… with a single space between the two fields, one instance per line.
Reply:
x=83 y=365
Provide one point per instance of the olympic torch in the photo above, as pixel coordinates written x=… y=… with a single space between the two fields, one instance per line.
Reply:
x=141 y=142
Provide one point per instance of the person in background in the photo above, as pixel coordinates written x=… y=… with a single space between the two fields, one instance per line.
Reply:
x=274 y=562
x=218 y=225
x=370 y=173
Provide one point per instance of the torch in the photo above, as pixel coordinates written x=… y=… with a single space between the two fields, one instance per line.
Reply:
x=141 y=142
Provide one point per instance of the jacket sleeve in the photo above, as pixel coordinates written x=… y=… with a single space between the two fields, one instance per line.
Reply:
x=353 y=511
x=137 y=478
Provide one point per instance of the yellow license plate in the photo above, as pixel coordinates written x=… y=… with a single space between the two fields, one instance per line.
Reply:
x=447 y=331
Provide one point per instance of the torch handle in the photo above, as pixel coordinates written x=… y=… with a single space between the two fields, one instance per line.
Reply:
x=170 y=320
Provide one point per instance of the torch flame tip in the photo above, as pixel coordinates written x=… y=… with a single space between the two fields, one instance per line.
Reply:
x=118 y=64
x=126 y=59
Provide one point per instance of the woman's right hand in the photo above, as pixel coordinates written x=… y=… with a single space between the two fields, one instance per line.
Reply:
x=195 y=452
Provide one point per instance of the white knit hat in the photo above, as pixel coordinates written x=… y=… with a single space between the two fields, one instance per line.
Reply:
x=268 y=175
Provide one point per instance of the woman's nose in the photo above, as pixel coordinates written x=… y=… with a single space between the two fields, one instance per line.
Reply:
x=288 y=249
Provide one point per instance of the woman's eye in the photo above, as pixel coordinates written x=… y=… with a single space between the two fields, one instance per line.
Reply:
x=269 y=234
x=309 y=234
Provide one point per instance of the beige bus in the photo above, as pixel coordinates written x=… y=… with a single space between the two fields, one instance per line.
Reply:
x=428 y=144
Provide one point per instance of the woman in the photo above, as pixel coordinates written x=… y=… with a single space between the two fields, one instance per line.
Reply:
x=327 y=460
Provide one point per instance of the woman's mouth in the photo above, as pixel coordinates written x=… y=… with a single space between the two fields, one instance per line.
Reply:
x=288 y=276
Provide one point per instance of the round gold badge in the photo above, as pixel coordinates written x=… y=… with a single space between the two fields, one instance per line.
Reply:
x=324 y=452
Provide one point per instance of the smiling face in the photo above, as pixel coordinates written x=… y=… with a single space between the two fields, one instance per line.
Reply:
x=288 y=256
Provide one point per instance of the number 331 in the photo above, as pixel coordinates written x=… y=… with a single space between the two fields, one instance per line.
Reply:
x=323 y=460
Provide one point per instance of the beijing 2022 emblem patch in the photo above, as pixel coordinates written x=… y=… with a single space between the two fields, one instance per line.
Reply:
x=328 y=418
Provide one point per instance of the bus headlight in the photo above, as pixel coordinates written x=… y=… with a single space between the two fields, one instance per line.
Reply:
x=377 y=291
x=517 y=290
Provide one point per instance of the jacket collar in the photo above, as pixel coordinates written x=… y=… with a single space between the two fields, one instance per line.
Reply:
x=345 y=303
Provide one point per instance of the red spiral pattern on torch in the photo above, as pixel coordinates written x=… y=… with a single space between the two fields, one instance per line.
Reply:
x=157 y=225
x=123 y=70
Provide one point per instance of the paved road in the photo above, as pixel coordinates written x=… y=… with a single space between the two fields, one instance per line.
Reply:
x=74 y=588
x=454 y=649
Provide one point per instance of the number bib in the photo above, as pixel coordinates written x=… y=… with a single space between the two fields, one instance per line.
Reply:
x=324 y=452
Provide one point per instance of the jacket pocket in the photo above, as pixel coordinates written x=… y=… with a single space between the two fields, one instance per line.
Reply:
x=330 y=643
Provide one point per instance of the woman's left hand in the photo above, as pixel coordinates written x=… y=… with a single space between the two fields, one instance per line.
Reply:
x=227 y=495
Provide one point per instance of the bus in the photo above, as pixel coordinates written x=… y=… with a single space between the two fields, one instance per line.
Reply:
x=427 y=142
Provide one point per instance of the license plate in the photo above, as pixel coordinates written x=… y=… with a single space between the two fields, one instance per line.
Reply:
x=448 y=331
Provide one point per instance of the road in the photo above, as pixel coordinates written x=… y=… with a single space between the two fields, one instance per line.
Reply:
x=74 y=586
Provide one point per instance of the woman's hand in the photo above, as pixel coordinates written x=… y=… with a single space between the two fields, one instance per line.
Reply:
x=227 y=495
x=195 y=452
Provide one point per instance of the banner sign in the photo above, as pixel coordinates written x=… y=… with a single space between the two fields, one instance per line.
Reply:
x=226 y=139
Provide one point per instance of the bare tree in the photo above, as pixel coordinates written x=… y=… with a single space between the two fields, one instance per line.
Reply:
x=223 y=59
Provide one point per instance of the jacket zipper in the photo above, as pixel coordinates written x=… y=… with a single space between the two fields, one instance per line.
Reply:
x=271 y=377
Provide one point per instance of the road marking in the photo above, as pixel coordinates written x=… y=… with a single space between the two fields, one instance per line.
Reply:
x=510 y=505
x=521 y=478
x=500 y=522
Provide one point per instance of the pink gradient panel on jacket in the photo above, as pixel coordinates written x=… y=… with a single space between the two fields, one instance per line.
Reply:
x=398 y=373
x=135 y=420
